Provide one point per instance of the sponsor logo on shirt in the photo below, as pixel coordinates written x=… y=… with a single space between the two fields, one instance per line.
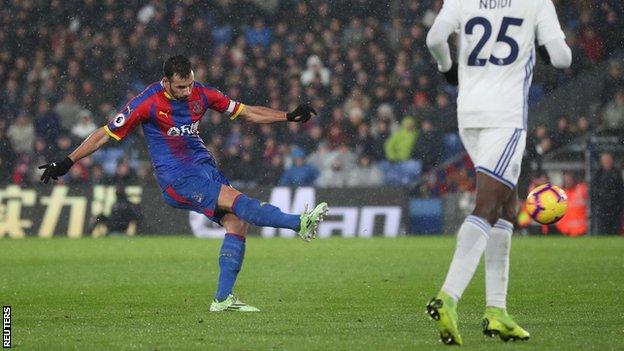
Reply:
x=187 y=129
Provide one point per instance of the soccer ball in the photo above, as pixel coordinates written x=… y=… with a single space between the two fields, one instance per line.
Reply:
x=547 y=203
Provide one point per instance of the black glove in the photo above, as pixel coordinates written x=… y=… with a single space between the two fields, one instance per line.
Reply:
x=302 y=113
x=451 y=75
x=55 y=169
x=543 y=53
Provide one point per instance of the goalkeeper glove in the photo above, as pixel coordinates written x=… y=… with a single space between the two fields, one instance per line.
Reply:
x=302 y=113
x=55 y=169
x=451 y=75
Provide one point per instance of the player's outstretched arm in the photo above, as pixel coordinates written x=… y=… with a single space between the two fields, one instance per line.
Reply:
x=91 y=144
x=260 y=114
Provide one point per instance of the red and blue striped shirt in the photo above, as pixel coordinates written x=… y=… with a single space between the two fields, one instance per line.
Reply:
x=171 y=127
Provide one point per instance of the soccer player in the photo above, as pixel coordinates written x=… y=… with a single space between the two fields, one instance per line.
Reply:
x=170 y=112
x=494 y=69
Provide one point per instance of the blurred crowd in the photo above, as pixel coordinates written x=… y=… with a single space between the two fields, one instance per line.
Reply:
x=385 y=114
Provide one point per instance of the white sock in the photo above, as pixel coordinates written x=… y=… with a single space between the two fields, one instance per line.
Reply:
x=471 y=241
x=497 y=264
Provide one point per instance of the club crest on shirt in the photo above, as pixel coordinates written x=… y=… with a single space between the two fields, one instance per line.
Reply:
x=196 y=107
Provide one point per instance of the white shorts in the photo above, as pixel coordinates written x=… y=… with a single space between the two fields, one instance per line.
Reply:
x=496 y=152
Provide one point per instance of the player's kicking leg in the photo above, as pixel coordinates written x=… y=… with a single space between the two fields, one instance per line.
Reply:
x=242 y=209
x=230 y=263
x=471 y=242
x=266 y=215
x=496 y=321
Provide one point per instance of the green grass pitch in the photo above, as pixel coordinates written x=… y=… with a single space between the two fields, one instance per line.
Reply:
x=335 y=294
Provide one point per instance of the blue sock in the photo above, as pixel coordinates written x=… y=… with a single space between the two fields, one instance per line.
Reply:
x=263 y=215
x=230 y=263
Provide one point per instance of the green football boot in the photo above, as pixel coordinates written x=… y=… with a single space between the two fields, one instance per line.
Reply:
x=232 y=303
x=310 y=221
x=496 y=321
x=443 y=310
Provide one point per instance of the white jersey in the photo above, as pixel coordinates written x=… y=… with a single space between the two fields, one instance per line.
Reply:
x=497 y=55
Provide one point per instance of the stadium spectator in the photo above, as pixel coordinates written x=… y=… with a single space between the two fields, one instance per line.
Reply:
x=574 y=223
x=123 y=218
x=607 y=196
x=337 y=135
x=11 y=98
x=295 y=136
x=364 y=141
x=47 y=125
x=614 y=81
x=64 y=145
x=357 y=98
x=538 y=144
x=582 y=126
x=124 y=214
x=344 y=155
x=334 y=176
x=68 y=109
x=22 y=134
x=385 y=113
x=97 y=175
x=85 y=125
x=380 y=133
x=355 y=119
x=335 y=166
x=400 y=145
x=365 y=174
x=613 y=113
x=124 y=174
x=300 y=173
x=315 y=73
x=77 y=174
x=272 y=172
x=428 y=147
x=445 y=118
x=592 y=44
x=42 y=150
x=7 y=158
x=20 y=171
x=246 y=169
x=319 y=158
x=315 y=138
x=561 y=135
x=258 y=34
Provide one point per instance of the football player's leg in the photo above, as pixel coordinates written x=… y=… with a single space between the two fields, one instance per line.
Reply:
x=266 y=215
x=473 y=234
x=497 y=254
x=255 y=212
x=230 y=263
x=496 y=321
x=471 y=242
x=231 y=255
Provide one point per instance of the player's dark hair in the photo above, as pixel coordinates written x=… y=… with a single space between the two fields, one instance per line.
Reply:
x=179 y=65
